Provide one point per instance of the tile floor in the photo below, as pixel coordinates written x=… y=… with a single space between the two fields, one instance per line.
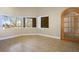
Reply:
x=35 y=43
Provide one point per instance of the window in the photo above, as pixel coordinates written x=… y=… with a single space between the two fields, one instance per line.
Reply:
x=33 y=22
x=10 y=21
x=30 y=22
x=44 y=22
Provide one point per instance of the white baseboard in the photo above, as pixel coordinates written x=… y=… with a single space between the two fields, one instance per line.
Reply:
x=8 y=37
x=49 y=36
x=29 y=34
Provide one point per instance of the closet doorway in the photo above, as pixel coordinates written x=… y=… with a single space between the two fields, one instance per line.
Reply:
x=70 y=24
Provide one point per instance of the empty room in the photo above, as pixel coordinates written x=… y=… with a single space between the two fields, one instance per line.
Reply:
x=39 y=29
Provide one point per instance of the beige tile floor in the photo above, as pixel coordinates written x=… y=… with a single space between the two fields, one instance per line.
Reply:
x=35 y=43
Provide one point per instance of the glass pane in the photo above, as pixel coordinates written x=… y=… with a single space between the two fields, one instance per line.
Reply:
x=44 y=22
x=70 y=30
x=29 y=22
x=65 y=29
x=6 y=22
x=66 y=25
x=66 y=19
x=19 y=22
x=13 y=21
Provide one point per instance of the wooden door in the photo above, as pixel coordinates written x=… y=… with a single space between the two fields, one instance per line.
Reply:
x=70 y=25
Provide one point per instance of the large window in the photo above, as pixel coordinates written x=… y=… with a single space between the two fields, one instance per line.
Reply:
x=11 y=21
x=20 y=21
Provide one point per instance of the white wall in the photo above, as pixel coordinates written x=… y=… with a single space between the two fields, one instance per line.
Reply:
x=54 y=20
x=18 y=11
x=54 y=14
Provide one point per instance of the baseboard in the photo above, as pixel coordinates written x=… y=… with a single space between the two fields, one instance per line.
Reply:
x=49 y=36
x=15 y=36
x=29 y=34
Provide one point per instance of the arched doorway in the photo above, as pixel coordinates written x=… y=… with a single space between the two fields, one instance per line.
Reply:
x=70 y=24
